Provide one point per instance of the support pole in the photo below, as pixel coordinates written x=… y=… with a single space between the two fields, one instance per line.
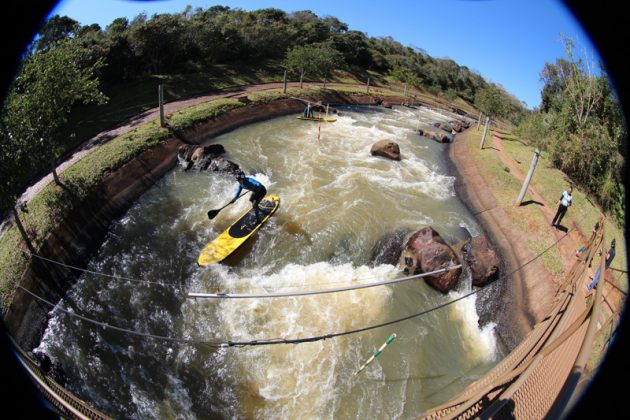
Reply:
x=285 y=82
x=161 y=104
x=519 y=200
x=479 y=120
x=377 y=353
x=485 y=131
x=368 y=85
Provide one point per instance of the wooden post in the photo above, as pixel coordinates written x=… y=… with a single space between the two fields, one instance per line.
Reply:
x=368 y=85
x=285 y=82
x=519 y=200
x=161 y=103
x=479 y=120
x=485 y=131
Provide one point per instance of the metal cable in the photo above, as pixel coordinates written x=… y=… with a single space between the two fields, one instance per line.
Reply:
x=317 y=292
x=270 y=341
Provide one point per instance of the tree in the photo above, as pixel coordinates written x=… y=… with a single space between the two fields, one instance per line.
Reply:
x=317 y=60
x=157 y=41
x=489 y=101
x=56 y=29
x=582 y=89
x=47 y=86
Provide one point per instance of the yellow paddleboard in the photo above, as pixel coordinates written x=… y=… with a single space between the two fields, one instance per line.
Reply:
x=324 y=119
x=241 y=230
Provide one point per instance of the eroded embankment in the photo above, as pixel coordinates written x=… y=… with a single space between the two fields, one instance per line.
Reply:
x=74 y=240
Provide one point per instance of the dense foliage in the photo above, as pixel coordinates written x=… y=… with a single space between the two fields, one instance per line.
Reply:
x=194 y=41
x=581 y=126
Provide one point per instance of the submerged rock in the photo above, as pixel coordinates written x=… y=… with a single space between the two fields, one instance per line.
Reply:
x=426 y=251
x=434 y=135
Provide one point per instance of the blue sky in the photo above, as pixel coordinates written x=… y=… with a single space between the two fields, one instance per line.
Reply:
x=506 y=41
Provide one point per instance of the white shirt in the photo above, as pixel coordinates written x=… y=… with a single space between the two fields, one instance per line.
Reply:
x=566 y=199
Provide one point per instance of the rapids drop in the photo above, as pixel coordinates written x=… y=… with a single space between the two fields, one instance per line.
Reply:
x=336 y=203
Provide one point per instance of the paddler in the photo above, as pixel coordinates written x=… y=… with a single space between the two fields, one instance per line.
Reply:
x=258 y=191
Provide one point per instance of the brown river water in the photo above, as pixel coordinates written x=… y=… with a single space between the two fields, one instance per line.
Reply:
x=336 y=203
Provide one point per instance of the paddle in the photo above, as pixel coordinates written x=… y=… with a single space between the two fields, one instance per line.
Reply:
x=213 y=213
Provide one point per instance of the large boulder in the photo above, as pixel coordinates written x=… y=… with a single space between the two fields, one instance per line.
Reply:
x=386 y=148
x=435 y=135
x=206 y=158
x=426 y=251
x=482 y=259
x=388 y=249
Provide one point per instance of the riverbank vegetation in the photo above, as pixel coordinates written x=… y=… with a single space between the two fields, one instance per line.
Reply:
x=581 y=127
x=197 y=52
x=104 y=76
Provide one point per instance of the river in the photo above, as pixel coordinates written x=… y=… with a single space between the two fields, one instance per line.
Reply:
x=336 y=203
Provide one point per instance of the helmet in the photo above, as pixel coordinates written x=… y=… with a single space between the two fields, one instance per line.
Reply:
x=240 y=175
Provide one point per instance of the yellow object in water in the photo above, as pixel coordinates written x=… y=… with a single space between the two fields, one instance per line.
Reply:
x=236 y=235
x=324 y=119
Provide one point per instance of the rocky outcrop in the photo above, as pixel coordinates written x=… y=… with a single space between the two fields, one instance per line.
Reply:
x=443 y=126
x=386 y=148
x=206 y=158
x=426 y=251
x=454 y=126
x=482 y=260
x=388 y=249
x=435 y=135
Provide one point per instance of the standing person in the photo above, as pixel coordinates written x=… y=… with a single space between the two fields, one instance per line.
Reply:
x=308 y=111
x=609 y=257
x=563 y=204
x=258 y=191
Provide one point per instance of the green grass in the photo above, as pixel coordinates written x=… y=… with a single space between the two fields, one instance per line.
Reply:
x=48 y=208
x=549 y=182
x=506 y=188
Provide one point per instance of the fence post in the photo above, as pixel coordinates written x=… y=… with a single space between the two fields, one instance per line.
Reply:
x=368 y=85
x=479 y=120
x=519 y=200
x=285 y=82
x=161 y=103
x=485 y=131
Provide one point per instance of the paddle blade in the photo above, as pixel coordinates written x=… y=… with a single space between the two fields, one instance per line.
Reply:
x=213 y=213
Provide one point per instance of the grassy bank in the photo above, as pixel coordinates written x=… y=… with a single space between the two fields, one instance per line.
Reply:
x=549 y=183
x=53 y=203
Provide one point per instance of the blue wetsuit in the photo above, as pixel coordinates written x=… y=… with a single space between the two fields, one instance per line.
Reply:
x=258 y=191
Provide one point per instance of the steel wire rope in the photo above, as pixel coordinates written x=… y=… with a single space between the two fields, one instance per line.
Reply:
x=271 y=341
x=224 y=295
x=131 y=279
x=320 y=291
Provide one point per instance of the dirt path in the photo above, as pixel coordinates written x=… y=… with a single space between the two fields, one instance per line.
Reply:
x=531 y=288
x=575 y=239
